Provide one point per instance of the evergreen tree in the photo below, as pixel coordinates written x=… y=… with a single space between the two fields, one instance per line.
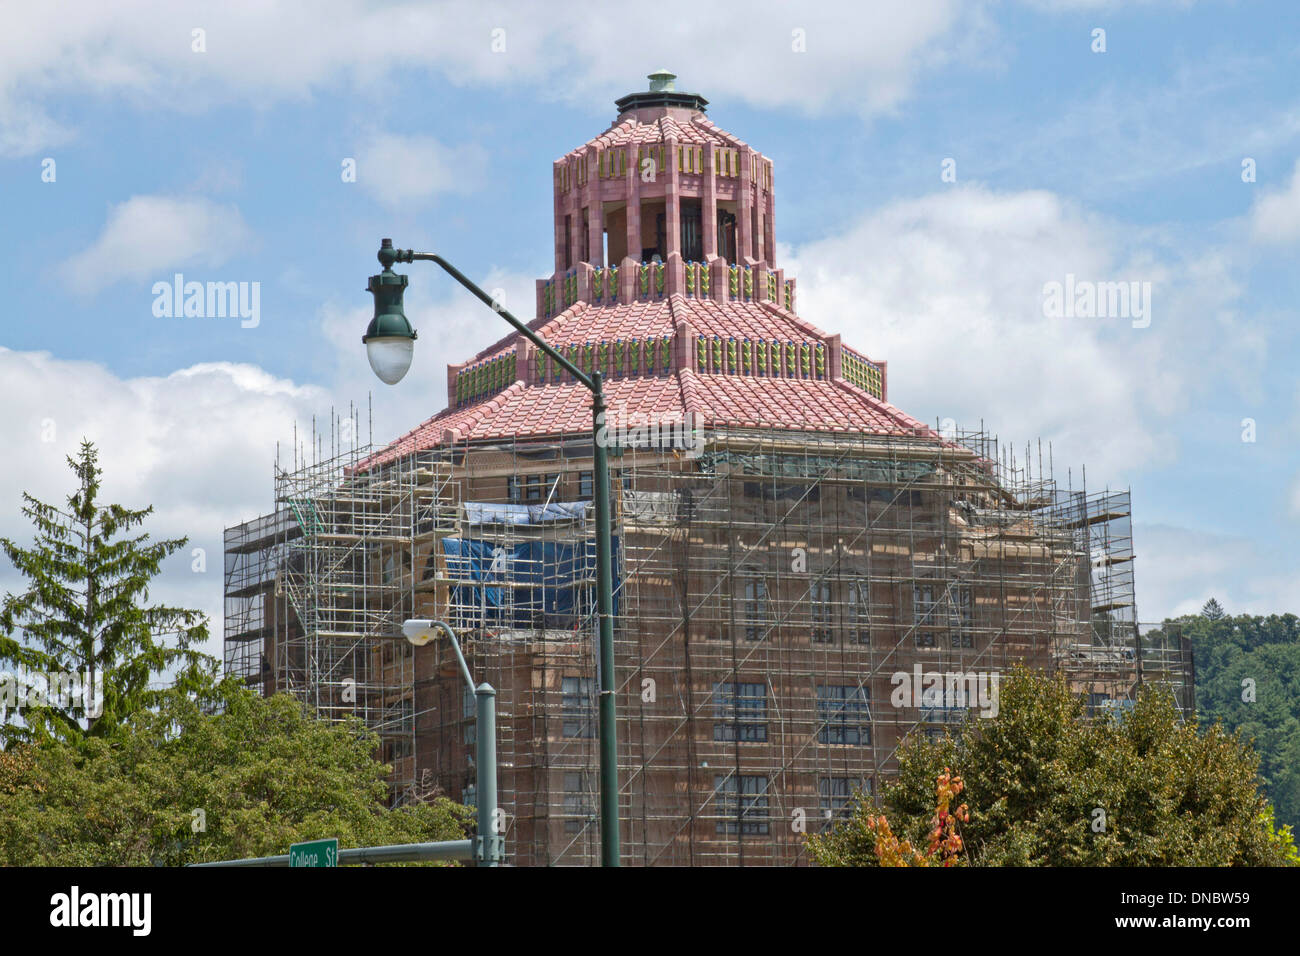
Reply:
x=1213 y=610
x=85 y=612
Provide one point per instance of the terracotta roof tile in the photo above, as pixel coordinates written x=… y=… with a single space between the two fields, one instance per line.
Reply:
x=699 y=131
x=536 y=410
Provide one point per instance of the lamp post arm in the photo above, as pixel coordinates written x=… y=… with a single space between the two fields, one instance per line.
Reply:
x=387 y=256
x=460 y=658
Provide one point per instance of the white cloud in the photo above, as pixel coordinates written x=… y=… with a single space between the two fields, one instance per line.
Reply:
x=148 y=235
x=1275 y=215
x=949 y=290
x=1179 y=569
x=859 y=57
x=26 y=128
x=399 y=170
x=198 y=444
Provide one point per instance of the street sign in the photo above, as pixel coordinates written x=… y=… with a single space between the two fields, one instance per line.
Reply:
x=315 y=853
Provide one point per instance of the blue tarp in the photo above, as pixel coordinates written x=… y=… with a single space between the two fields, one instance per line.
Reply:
x=542 y=576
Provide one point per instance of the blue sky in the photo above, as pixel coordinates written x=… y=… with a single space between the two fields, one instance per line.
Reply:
x=224 y=164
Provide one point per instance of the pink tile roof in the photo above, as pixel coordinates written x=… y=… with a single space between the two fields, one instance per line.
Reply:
x=698 y=132
x=538 y=411
x=583 y=322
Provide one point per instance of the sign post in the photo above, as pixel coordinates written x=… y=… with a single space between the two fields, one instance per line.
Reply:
x=315 y=853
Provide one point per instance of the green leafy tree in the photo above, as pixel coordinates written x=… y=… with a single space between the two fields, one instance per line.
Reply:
x=179 y=785
x=1248 y=677
x=86 y=612
x=1046 y=786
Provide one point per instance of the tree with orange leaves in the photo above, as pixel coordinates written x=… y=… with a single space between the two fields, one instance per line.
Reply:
x=945 y=839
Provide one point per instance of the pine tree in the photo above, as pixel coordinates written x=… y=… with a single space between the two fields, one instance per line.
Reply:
x=85 y=612
x=1212 y=610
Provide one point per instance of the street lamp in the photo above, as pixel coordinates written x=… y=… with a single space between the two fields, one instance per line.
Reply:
x=389 y=339
x=389 y=344
x=489 y=847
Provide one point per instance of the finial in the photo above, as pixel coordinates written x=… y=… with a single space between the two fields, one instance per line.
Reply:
x=661 y=81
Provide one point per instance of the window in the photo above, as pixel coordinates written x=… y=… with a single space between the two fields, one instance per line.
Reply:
x=820 y=596
x=576 y=707
x=923 y=614
x=941 y=605
x=923 y=603
x=692 y=234
x=837 y=796
x=742 y=802
x=741 y=710
x=754 y=609
x=860 y=612
x=727 y=236
x=521 y=489
x=943 y=713
x=586 y=485
x=656 y=252
x=769 y=491
x=397 y=749
x=963 y=618
x=886 y=496
x=843 y=715
x=579 y=807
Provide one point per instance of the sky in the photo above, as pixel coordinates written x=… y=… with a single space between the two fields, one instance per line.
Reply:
x=938 y=164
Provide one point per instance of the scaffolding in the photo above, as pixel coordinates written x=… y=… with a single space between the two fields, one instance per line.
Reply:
x=778 y=595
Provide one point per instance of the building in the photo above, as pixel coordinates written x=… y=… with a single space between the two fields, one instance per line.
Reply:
x=792 y=550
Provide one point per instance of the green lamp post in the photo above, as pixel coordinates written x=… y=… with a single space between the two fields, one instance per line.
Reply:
x=390 y=342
